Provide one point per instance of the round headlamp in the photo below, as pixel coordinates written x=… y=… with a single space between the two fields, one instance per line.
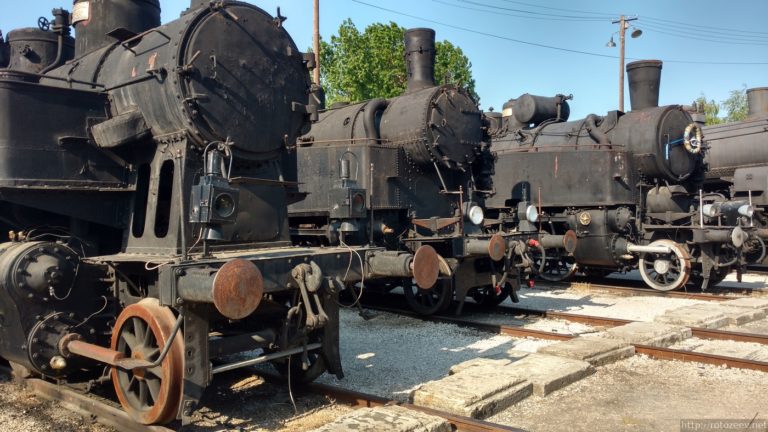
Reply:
x=747 y=210
x=531 y=213
x=476 y=215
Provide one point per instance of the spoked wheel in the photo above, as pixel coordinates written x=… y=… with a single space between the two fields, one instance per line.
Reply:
x=490 y=296
x=293 y=365
x=431 y=301
x=665 y=271
x=715 y=277
x=149 y=396
x=557 y=267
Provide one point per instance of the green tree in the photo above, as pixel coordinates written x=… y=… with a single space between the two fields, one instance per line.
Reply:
x=357 y=66
x=710 y=109
x=736 y=105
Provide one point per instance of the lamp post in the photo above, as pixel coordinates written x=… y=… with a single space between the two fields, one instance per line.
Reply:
x=316 y=41
x=623 y=23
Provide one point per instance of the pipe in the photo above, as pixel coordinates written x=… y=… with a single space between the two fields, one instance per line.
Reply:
x=633 y=248
x=265 y=358
x=595 y=132
x=369 y=119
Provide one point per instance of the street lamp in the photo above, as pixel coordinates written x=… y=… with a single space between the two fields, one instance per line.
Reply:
x=623 y=23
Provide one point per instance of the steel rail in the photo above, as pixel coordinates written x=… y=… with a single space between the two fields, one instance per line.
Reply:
x=715 y=294
x=363 y=400
x=654 y=352
x=88 y=406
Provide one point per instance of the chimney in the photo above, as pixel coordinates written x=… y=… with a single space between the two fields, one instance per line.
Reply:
x=644 y=81
x=420 y=58
x=757 y=102
x=95 y=19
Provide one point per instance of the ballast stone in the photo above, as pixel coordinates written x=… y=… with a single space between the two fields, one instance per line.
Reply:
x=736 y=315
x=387 y=418
x=596 y=351
x=648 y=333
x=694 y=316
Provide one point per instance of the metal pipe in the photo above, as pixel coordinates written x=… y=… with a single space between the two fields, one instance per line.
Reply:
x=264 y=358
x=633 y=248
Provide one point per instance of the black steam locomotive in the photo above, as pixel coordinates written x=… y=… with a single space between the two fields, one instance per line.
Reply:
x=402 y=173
x=629 y=185
x=738 y=164
x=142 y=186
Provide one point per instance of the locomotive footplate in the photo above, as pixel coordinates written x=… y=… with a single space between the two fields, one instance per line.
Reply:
x=241 y=298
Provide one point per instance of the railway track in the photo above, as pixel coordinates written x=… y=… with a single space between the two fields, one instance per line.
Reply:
x=108 y=413
x=651 y=351
x=634 y=288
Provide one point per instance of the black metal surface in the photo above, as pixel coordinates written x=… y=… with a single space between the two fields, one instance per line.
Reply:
x=420 y=58
x=95 y=19
x=33 y=50
x=644 y=78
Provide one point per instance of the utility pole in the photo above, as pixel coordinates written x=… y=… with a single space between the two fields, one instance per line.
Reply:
x=623 y=23
x=316 y=44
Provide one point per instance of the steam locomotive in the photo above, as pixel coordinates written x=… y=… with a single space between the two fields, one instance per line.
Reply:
x=629 y=185
x=738 y=163
x=142 y=186
x=402 y=173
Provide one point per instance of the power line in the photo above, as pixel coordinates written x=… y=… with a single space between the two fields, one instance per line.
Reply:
x=691 y=36
x=495 y=36
x=501 y=13
x=571 y=17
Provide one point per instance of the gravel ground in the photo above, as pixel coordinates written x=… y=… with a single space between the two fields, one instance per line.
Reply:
x=640 y=394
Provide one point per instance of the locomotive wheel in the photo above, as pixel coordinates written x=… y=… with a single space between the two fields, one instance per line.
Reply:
x=431 y=301
x=715 y=277
x=665 y=272
x=490 y=296
x=149 y=396
x=556 y=268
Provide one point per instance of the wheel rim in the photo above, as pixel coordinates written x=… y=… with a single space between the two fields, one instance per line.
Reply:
x=665 y=272
x=427 y=302
x=150 y=396
x=557 y=268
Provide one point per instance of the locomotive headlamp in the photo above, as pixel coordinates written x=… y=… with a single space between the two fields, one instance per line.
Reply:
x=747 y=210
x=358 y=202
x=709 y=210
x=531 y=213
x=224 y=205
x=476 y=215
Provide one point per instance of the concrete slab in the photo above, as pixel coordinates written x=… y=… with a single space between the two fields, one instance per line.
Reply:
x=595 y=350
x=548 y=373
x=502 y=359
x=694 y=316
x=749 y=302
x=736 y=315
x=648 y=333
x=387 y=418
x=733 y=350
x=478 y=391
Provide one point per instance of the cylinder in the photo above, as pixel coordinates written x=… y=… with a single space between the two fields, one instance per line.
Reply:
x=93 y=19
x=32 y=50
x=644 y=78
x=529 y=109
x=757 y=102
x=420 y=58
x=235 y=289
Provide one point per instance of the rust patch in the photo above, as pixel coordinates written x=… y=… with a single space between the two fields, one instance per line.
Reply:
x=426 y=266
x=570 y=240
x=238 y=288
x=497 y=247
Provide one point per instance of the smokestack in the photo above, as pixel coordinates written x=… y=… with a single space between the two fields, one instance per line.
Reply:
x=420 y=58
x=757 y=102
x=95 y=19
x=644 y=82
x=4 y=52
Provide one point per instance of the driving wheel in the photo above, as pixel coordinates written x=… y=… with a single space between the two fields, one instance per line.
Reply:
x=152 y=395
x=665 y=271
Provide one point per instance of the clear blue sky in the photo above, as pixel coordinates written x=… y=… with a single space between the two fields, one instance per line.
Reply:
x=700 y=31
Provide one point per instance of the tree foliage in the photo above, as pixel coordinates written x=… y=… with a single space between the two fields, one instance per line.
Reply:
x=735 y=106
x=357 y=66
